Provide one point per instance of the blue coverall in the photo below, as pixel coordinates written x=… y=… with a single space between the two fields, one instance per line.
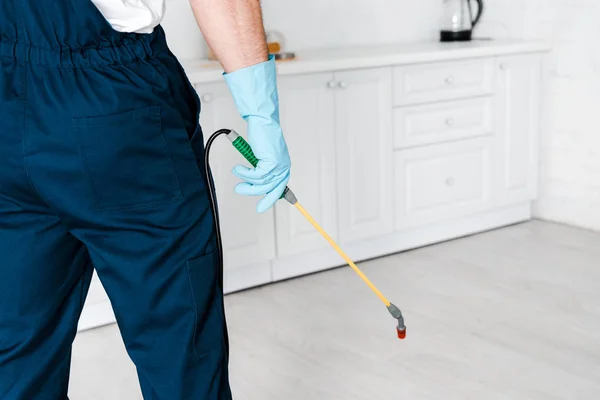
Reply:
x=100 y=151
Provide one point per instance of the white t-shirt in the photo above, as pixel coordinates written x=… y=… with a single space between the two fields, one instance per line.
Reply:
x=140 y=16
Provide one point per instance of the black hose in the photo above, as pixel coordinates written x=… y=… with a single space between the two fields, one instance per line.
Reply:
x=215 y=212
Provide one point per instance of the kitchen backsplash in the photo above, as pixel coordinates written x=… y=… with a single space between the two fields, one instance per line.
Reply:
x=311 y=24
x=320 y=24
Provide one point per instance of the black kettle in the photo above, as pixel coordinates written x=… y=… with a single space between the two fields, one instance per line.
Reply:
x=458 y=21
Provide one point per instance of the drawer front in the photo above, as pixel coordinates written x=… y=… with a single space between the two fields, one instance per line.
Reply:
x=440 y=122
x=442 y=182
x=423 y=83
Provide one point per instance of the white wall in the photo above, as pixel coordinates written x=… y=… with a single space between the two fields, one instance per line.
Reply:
x=571 y=140
x=311 y=24
x=570 y=145
x=570 y=156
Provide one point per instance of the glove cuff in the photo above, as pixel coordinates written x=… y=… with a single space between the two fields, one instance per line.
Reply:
x=254 y=90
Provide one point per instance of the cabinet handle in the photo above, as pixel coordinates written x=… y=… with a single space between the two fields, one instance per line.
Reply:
x=342 y=85
x=206 y=98
x=450 y=80
x=331 y=84
x=449 y=122
x=450 y=181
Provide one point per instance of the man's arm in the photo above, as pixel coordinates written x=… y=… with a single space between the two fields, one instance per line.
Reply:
x=234 y=31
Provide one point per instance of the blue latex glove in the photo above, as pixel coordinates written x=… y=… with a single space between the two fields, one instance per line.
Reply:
x=254 y=90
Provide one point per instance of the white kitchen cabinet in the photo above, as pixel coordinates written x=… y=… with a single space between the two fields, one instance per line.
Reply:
x=442 y=122
x=248 y=237
x=307 y=118
x=438 y=81
x=363 y=118
x=517 y=120
x=443 y=182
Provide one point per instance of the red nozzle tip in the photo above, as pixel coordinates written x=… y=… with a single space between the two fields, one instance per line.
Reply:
x=401 y=333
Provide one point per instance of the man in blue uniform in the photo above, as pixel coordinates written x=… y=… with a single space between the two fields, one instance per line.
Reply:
x=99 y=168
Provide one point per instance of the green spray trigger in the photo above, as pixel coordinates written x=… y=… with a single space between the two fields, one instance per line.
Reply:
x=243 y=147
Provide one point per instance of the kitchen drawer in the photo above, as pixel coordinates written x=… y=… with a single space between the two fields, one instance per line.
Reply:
x=440 y=122
x=422 y=83
x=442 y=182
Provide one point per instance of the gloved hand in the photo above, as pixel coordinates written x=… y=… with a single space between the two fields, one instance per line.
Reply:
x=254 y=90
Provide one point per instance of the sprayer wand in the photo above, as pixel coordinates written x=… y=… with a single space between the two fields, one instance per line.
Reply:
x=244 y=148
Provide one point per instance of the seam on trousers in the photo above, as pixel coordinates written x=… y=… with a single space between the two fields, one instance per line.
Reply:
x=170 y=154
x=83 y=283
x=21 y=28
x=25 y=149
x=74 y=134
x=195 y=309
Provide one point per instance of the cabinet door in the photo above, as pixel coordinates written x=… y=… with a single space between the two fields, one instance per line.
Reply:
x=248 y=237
x=364 y=153
x=307 y=118
x=441 y=182
x=517 y=120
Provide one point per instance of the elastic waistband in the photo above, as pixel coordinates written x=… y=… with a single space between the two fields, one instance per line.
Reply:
x=130 y=49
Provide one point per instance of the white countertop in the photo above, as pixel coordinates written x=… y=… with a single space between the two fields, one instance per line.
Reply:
x=201 y=71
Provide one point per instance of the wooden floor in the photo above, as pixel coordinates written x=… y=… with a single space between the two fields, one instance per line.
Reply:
x=509 y=314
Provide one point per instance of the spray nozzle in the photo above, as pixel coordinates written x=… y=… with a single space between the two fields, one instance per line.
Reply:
x=397 y=314
x=401 y=333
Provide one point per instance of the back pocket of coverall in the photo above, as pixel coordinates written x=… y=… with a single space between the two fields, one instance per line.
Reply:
x=127 y=159
x=209 y=316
